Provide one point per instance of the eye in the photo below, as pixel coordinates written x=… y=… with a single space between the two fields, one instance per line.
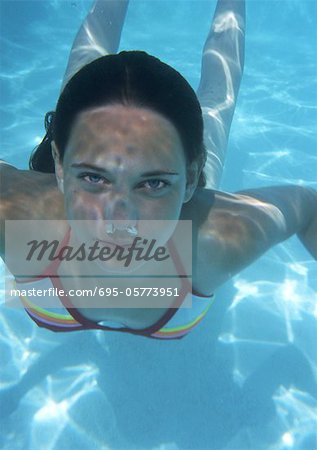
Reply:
x=155 y=184
x=93 y=178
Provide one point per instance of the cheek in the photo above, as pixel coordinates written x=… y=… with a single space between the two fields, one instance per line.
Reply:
x=160 y=207
x=175 y=202
x=80 y=206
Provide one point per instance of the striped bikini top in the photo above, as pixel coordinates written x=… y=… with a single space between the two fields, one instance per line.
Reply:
x=62 y=315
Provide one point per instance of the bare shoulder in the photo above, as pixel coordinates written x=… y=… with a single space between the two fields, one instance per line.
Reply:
x=229 y=229
x=233 y=209
x=28 y=195
x=224 y=221
x=209 y=206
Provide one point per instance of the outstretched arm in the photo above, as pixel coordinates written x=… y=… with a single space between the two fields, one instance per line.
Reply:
x=243 y=226
x=98 y=35
x=247 y=224
x=221 y=73
x=298 y=208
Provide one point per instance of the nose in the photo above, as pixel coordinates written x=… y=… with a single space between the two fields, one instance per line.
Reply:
x=121 y=209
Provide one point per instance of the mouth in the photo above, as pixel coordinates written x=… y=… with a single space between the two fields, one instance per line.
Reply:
x=111 y=243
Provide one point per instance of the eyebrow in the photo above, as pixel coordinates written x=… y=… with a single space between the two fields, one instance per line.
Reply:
x=103 y=170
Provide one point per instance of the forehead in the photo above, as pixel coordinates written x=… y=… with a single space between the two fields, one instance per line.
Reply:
x=115 y=123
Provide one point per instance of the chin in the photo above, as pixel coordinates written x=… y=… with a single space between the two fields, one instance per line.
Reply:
x=118 y=268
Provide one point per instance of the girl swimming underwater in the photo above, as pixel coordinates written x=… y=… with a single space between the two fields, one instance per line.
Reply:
x=131 y=145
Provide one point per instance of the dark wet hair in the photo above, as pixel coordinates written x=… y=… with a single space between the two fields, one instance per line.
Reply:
x=129 y=78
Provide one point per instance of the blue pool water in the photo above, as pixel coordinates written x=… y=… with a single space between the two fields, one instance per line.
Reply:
x=246 y=378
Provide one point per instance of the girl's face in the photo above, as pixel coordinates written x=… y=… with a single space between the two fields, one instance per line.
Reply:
x=124 y=164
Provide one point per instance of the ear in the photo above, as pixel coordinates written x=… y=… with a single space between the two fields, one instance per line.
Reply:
x=58 y=167
x=192 y=177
